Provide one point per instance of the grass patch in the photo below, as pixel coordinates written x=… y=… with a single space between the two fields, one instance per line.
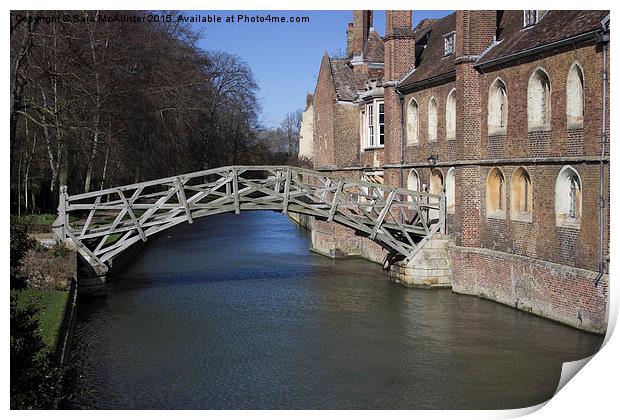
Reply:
x=52 y=309
x=112 y=238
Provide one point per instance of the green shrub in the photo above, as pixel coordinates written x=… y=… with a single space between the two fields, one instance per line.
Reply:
x=21 y=243
x=36 y=382
x=38 y=223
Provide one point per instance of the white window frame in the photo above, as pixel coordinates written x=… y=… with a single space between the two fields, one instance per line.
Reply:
x=448 y=43
x=373 y=137
x=527 y=23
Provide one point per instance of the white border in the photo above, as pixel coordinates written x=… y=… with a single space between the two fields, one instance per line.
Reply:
x=591 y=395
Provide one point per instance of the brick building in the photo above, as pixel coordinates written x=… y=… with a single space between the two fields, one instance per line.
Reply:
x=506 y=112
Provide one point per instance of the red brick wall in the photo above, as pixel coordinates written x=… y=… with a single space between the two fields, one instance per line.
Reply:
x=362 y=21
x=446 y=149
x=469 y=226
x=559 y=141
x=399 y=56
x=543 y=288
x=346 y=135
x=541 y=238
x=475 y=29
x=324 y=99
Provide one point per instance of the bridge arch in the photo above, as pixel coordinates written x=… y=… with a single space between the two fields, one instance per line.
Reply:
x=102 y=224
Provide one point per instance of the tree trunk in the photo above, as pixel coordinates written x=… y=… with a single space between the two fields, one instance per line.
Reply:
x=96 y=118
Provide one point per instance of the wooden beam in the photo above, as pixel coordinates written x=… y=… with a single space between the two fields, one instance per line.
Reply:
x=287 y=188
x=384 y=211
x=235 y=190
x=90 y=216
x=132 y=216
x=183 y=200
x=332 y=211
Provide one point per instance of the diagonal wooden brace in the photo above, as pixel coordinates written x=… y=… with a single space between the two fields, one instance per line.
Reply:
x=384 y=211
x=332 y=211
x=133 y=216
x=183 y=200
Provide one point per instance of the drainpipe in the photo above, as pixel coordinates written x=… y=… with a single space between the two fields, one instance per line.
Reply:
x=603 y=39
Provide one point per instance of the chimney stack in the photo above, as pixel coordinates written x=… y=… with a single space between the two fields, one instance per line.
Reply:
x=475 y=30
x=350 y=40
x=362 y=22
x=399 y=44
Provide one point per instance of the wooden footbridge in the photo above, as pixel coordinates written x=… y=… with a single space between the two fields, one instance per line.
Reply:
x=104 y=223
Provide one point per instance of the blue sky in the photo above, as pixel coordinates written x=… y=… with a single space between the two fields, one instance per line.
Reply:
x=285 y=57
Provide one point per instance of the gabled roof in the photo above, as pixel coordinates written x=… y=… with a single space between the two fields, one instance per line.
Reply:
x=422 y=27
x=373 y=52
x=553 y=26
x=346 y=83
x=431 y=62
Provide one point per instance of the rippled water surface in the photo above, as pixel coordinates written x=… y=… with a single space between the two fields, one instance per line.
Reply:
x=235 y=312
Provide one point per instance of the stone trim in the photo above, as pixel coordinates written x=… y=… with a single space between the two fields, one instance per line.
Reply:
x=481 y=162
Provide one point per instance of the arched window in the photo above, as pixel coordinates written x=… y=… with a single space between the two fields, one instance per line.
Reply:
x=436 y=182
x=413 y=181
x=412 y=122
x=497 y=117
x=435 y=187
x=568 y=197
x=451 y=116
x=496 y=194
x=538 y=101
x=432 y=120
x=450 y=190
x=521 y=195
x=574 y=97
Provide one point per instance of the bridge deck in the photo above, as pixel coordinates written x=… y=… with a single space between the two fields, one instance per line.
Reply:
x=104 y=223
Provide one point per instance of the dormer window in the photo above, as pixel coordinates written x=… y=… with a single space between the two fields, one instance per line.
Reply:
x=530 y=17
x=448 y=44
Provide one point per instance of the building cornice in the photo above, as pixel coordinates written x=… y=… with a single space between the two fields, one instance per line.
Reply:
x=473 y=162
x=467 y=59
x=507 y=161
x=451 y=75
x=390 y=37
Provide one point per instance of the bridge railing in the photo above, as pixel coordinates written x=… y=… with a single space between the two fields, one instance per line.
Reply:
x=104 y=223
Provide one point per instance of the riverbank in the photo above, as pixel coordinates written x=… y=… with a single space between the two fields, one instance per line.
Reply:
x=43 y=280
x=52 y=304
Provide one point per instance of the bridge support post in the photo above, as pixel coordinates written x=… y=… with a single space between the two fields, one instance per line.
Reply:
x=442 y=214
x=428 y=268
x=235 y=184
x=287 y=189
x=59 y=226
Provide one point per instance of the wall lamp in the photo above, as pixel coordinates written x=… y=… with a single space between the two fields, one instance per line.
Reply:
x=432 y=159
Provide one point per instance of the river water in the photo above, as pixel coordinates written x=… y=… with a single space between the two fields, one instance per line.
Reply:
x=234 y=312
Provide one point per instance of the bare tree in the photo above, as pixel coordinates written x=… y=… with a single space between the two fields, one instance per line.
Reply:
x=291 y=126
x=95 y=104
